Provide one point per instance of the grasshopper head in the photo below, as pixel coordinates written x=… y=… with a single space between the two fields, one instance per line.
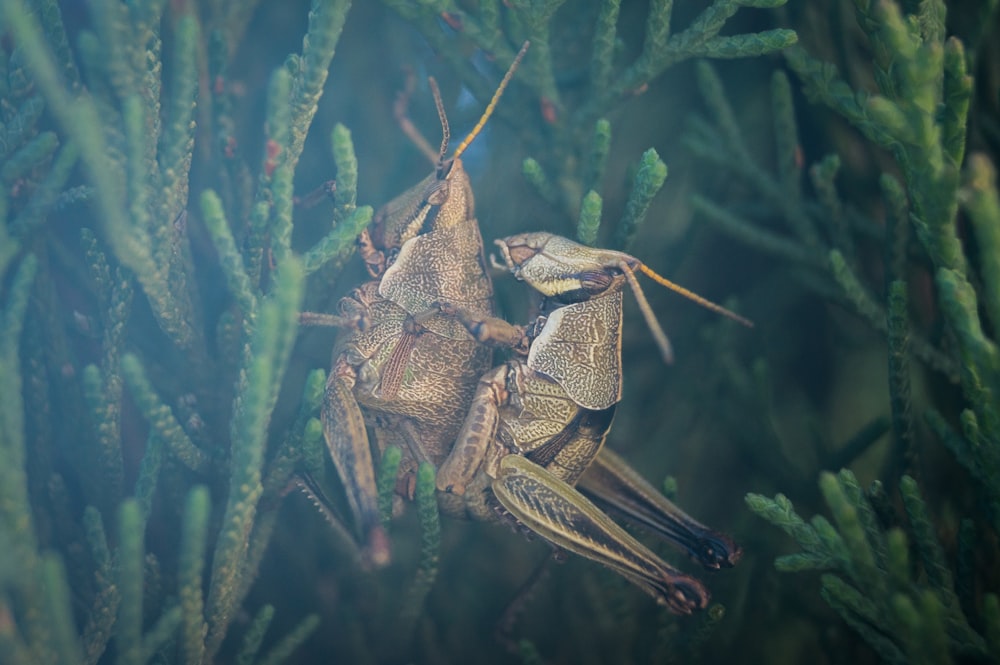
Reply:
x=571 y=272
x=442 y=199
x=562 y=269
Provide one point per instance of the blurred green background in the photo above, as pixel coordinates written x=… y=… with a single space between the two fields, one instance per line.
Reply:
x=751 y=215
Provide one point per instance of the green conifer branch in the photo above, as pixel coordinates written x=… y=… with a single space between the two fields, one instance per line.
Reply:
x=347 y=170
x=338 y=244
x=746 y=232
x=326 y=20
x=786 y=136
x=104 y=387
x=293 y=449
x=846 y=512
x=9 y=247
x=277 y=167
x=13 y=649
x=280 y=652
x=874 y=588
x=58 y=610
x=149 y=473
x=536 y=177
x=177 y=140
x=131 y=552
x=430 y=545
x=956 y=96
x=104 y=609
x=899 y=374
x=161 y=633
x=823 y=175
x=603 y=50
x=15 y=511
x=80 y=118
x=55 y=34
x=197 y=511
x=30 y=156
x=590 y=219
x=981 y=201
x=161 y=419
x=17 y=129
x=897 y=223
x=649 y=179
x=564 y=133
x=387 y=472
x=964 y=452
x=980 y=369
x=254 y=636
x=47 y=194
x=866 y=305
x=743 y=46
x=725 y=146
x=138 y=175
x=230 y=259
x=270 y=343
x=597 y=158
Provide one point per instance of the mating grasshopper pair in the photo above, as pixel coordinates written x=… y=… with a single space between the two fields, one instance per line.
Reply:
x=512 y=443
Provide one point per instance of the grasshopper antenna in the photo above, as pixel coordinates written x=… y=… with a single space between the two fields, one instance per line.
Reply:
x=445 y=127
x=691 y=295
x=666 y=350
x=399 y=111
x=493 y=102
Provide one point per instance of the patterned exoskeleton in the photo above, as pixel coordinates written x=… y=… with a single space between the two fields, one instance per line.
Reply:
x=535 y=432
x=401 y=367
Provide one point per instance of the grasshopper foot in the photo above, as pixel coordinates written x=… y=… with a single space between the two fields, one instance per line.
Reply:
x=683 y=595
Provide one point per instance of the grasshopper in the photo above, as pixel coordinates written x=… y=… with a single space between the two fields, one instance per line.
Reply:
x=537 y=426
x=401 y=367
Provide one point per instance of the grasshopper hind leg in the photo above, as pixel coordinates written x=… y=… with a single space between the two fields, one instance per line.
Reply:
x=561 y=515
x=615 y=485
x=347 y=441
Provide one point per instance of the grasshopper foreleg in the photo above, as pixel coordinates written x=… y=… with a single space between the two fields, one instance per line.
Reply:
x=354 y=314
x=487 y=329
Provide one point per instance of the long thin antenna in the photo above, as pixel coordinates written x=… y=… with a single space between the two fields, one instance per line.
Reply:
x=443 y=117
x=690 y=295
x=493 y=102
x=399 y=110
x=666 y=350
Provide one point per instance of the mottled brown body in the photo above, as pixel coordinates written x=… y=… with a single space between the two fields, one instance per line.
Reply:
x=525 y=408
x=404 y=369
x=537 y=427
x=413 y=367
x=407 y=372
